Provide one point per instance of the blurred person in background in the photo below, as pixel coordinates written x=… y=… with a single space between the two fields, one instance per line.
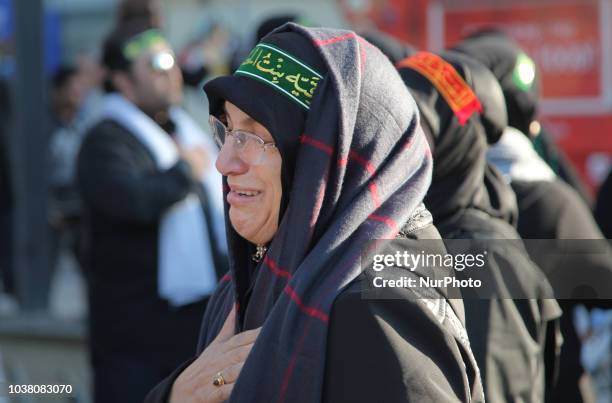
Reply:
x=91 y=74
x=594 y=328
x=64 y=143
x=195 y=59
x=520 y=81
x=309 y=187
x=462 y=111
x=155 y=217
x=6 y=193
x=548 y=207
x=150 y=11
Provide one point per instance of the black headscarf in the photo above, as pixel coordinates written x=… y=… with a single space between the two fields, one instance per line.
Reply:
x=361 y=169
x=285 y=120
x=462 y=178
x=500 y=54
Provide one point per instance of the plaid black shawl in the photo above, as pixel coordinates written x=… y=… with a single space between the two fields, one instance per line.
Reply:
x=362 y=169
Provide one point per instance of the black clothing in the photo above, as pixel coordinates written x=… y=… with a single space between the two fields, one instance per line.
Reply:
x=469 y=201
x=498 y=52
x=126 y=195
x=511 y=336
x=458 y=178
x=557 y=160
x=603 y=208
x=553 y=210
x=391 y=350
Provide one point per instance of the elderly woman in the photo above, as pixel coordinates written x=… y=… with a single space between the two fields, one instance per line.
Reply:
x=322 y=152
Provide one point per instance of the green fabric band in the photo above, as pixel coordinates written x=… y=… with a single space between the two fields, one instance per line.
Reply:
x=283 y=72
x=141 y=42
x=524 y=72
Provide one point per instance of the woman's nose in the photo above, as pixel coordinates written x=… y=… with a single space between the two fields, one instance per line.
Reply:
x=228 y=162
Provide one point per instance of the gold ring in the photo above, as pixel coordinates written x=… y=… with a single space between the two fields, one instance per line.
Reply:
x=219 y=380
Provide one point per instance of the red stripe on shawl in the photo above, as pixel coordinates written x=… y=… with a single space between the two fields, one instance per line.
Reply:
x=374 y=193
x=387 y=220
x=366 y=164
x=289 y=370
x=310 y=311
x=274 y=268
x=362 y=52
x=316 y=143
x=350 y=35
x=324 y=42
x=226 y=277
x=316 y=210
x=291 y=366
x=410 y=142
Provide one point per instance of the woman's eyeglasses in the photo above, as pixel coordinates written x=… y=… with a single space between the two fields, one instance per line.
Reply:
x=250 y=147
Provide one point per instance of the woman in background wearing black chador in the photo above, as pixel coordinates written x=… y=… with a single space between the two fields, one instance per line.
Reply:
x=462 y=109
x=549 y=208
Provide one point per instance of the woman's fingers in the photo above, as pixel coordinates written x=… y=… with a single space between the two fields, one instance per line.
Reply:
x=226 y=354
x=220 y=394
x=240 y=354
x=241 y=339
x=227 y=331
x=230 y=374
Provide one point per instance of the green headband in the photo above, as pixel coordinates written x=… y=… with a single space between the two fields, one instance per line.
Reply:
x=141 y=42
x=524 y=72
x=283 y=72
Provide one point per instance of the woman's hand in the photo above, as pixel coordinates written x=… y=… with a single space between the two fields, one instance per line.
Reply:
x=226 y=355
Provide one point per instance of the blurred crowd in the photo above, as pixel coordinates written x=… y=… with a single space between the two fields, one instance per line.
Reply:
x=135 y=198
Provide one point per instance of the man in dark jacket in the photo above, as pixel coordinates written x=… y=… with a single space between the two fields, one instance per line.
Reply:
x=155 y=214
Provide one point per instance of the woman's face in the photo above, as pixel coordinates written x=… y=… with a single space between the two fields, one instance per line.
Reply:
x=255 y=190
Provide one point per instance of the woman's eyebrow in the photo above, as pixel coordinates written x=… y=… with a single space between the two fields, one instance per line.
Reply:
x=246 y=121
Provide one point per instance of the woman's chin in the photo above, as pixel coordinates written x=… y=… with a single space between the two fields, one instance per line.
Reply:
x=243 y=226
x=251 y=226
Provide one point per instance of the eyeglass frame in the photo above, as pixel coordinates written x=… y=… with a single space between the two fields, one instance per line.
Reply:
x=213 y=120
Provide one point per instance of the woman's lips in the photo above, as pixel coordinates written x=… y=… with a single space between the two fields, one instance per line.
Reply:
x=243 y=197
